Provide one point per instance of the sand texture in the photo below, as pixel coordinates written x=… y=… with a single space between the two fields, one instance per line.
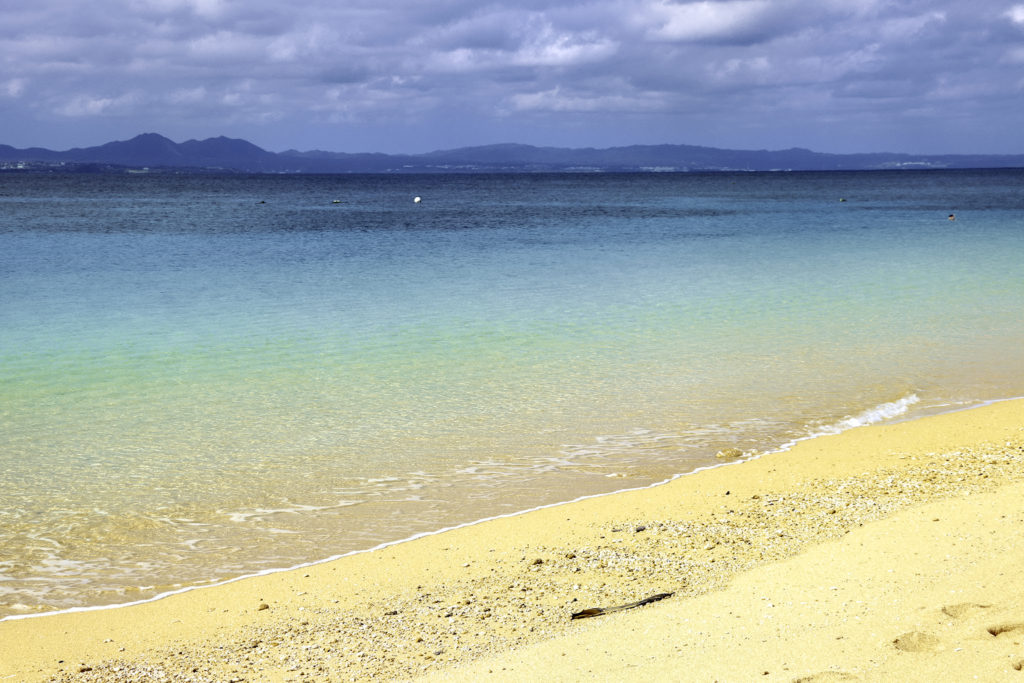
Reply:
x=883 y=553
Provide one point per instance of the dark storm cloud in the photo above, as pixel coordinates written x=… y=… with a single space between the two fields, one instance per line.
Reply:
x=389 y=75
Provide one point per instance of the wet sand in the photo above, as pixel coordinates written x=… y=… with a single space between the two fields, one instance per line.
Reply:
x=884 y=553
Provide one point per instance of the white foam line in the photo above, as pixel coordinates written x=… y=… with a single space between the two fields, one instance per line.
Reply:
x=423 y=534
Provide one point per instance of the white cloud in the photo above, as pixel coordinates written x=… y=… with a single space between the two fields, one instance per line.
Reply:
x=556 y=100
x=552 y=48
x=90 y=105
x=300 y=44
x=15 y=87
x=459 y=60
x=209 y=9
x=238 y=95
x=902 y=28
x=709 y=21
x=751 y=69
x=1016 y=14
x=1015 y=55
x=227 y=46
x=187 y=95
x=541 y=45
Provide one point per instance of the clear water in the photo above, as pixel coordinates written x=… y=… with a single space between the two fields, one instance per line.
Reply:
x=208 y=376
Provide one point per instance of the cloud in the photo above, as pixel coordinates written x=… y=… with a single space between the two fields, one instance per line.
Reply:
x=557 y=100
x=902 y=28
x=549 y=47
x=227 y=47
x=736 y=21
x=88 y=105
x=1015 y=55
x=304 y=43
x=208 y=9
x=540 y=46
x=14 y=87
x=322 y=73
x=188 y=96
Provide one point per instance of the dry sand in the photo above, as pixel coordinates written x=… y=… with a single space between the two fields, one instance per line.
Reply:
x=885 y=553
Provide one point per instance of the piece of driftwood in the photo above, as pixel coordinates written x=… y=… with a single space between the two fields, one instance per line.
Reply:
x=598 y=611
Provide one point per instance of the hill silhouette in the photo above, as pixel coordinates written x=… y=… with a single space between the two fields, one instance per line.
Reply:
x=156 y=152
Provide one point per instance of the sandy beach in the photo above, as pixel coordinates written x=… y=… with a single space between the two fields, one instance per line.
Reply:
x=887 y=552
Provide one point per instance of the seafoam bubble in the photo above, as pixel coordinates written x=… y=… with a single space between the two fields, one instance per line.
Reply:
x=885 y=411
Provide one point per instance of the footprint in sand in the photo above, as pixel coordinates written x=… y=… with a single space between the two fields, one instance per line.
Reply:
x=1009 y=633
x=1011 y=629
x=963 y=609
x=916 y=641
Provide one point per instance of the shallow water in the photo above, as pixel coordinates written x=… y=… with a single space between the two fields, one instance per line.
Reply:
x=207 y=376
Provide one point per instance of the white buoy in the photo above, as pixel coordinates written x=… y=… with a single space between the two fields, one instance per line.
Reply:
x=417 y=200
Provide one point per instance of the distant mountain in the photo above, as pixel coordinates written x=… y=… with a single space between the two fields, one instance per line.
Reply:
x=157 y=153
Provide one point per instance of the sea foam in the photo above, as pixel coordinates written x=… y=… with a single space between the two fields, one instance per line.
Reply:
x=880 y=413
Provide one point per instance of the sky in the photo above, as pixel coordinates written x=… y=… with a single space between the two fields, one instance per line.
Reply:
x=843 y=76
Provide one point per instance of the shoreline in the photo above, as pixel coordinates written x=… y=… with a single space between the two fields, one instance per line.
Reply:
x=445 y=598
x=880 y=414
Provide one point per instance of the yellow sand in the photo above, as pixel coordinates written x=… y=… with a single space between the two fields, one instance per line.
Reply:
x=884 y=553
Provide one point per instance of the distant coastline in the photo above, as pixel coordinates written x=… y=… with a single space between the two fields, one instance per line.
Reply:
x=154 y=153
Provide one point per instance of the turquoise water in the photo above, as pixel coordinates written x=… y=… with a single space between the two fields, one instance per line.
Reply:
x=208 y=376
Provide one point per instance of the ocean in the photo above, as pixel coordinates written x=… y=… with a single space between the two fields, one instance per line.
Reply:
x=210 y=376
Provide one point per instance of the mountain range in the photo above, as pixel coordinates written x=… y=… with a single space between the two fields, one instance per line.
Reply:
x=155 y=152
